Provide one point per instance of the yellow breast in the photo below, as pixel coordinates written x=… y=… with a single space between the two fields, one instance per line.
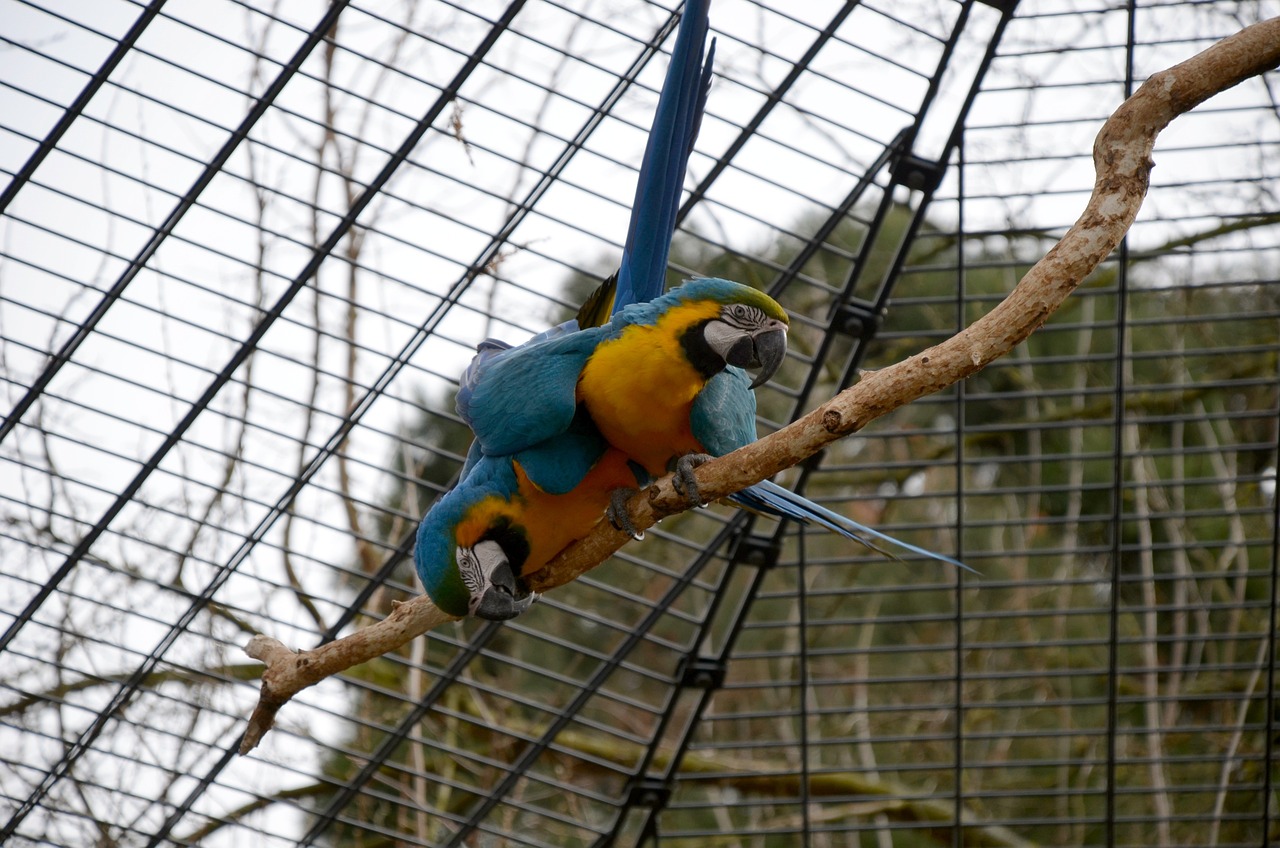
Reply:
x=640 y=388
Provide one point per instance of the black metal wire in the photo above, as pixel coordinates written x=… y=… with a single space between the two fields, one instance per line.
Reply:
x=959 y=705
x=802 y=606
x=73 y=112
x=1272 y=720
x=85 y=328
x=318 y=256
x=1119 y=457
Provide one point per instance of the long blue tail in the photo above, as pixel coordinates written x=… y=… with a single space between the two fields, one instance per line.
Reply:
x=769 y=498
x=643 y=272
x=642 y=275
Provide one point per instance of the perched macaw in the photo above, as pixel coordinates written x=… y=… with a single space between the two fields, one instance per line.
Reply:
x=641 y=377
x=497 y=525
x=512 y=512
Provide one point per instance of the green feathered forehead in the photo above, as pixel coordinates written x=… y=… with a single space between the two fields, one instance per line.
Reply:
x=726 y=291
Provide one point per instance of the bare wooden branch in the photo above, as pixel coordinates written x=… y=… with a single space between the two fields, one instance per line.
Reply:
x=1122 y=159
x=289 y=672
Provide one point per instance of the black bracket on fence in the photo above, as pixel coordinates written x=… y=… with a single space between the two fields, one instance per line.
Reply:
x=649 y=791
x=756 y=550
x=917 y=173
x=701 y=672
x=856 y=319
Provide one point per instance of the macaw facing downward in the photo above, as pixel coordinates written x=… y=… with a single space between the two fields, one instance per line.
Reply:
x=497 y=525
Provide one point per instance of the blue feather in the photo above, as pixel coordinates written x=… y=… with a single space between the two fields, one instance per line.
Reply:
x=769 y=498
x=643 y=272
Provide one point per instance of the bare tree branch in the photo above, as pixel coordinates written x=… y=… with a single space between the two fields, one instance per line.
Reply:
x=1122 y=160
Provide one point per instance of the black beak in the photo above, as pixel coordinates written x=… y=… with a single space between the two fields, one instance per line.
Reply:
x=769 y=349
x=505 y=598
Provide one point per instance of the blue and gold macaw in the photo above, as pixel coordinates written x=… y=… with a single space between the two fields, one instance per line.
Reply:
x=513 y=511
x=642 y=377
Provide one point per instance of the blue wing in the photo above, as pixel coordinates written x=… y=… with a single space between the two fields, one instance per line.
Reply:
x=558 y=464
x=643 y=272
x=514 y=401
x=491 y=351
x=528 y=394
x=555 y=465
x=771 y=499
x=723 y=417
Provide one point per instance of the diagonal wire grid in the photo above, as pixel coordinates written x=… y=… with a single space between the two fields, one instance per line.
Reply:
x=246 y=248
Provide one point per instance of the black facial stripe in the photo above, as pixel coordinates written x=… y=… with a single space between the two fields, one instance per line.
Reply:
x=703 y=359
x=513 y=541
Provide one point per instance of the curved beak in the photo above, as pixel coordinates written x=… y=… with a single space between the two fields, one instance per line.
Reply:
x=769 y=348
x=505 y=598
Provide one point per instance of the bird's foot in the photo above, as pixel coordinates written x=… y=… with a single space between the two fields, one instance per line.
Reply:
x=684 y=481
x=617 y=514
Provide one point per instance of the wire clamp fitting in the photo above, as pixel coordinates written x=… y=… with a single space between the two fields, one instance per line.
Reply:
x=856 y=320
x=757 y=550
x=701 y=672
x=649 y=791
x=917 y=173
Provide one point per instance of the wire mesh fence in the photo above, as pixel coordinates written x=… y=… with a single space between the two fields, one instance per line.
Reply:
x=247 y=248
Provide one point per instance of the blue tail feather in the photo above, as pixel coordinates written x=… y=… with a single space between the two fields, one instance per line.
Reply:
x=771 y=499
x=642 y=274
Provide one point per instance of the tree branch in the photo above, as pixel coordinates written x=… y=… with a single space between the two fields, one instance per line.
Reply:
x=288 y=672
x=1122 y=159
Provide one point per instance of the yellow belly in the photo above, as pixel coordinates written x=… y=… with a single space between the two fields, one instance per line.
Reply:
x=555 y=521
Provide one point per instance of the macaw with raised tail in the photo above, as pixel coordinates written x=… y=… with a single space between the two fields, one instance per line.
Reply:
x=662 y=379
x=641 y=274
x=511 y=512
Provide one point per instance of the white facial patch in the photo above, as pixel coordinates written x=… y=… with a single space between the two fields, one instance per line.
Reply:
x=743 y=317
x=476 y=564
x=721 y=336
